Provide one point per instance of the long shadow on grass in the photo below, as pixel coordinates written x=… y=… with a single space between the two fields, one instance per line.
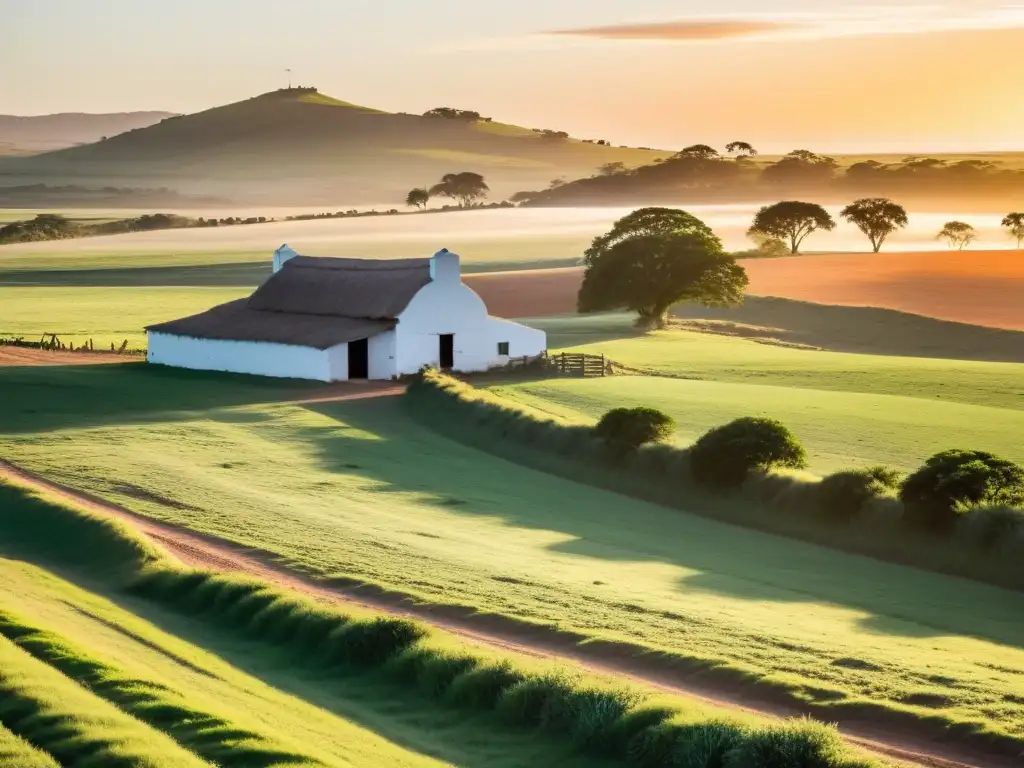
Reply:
x=399 y=714
x=47 y=398
x=729 y=561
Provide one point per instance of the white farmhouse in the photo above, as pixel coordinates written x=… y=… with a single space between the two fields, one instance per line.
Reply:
x=337 y=319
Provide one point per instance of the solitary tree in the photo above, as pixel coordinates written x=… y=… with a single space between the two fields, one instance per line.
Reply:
x=1014 y=223
x=791 y=221
x=465 y=188
x=418 y=198
x=648 y=272
x=959 y=234
x=740 y=149
x=649 y=221
x=877 y=218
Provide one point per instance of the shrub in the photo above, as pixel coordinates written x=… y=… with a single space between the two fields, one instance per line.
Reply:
x=951 y=482
x=990 y=527
x=725 y=455
x=800 y=744
x=629 y=428
x=842 y=495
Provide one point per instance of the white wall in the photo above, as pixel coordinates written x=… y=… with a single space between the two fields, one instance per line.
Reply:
x=260 y=358
x=523 y=341
x=337 y=362
x=382 y=355
x=449 y=306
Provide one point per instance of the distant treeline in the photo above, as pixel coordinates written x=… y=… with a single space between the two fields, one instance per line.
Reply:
x=701 y=172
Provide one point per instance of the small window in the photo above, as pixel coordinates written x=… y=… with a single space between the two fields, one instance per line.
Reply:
x=503 y=348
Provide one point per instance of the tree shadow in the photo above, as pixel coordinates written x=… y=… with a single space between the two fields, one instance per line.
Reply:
x=47 y=398
x=720 y=558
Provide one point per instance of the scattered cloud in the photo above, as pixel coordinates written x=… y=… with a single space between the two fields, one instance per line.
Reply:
x=692 y=29
x=863 y=21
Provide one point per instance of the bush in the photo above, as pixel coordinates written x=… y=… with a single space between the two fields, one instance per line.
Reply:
x=842 y=495
x=951 y=482
x=629 y=428
x=724 y=456
x=800 y=744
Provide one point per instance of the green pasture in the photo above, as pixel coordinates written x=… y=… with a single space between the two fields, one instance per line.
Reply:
x=360 y=490
x=91 y=671
x=108 y=314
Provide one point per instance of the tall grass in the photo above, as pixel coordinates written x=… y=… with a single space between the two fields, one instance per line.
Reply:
x=209 y=736
x=986 y=546
x=15 y=752
x=595 y=716
x=75 y=727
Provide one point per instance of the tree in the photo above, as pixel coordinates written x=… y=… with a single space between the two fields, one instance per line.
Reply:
x=649 y=221
x=740 y=149
x=958 y=233
x=699 y=152
x=801 y=167
x=418 y=198
x=465 y=188
x=1014 y=223
x=648 y=273
x=792 y=221
x=611 y=169
x=877 y=218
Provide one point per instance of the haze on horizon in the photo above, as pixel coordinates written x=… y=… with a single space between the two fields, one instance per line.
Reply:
x=830 y=75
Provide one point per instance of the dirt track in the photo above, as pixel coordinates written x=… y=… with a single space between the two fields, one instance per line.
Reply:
x=29 y=356
x=977 y=287
x=208 y=552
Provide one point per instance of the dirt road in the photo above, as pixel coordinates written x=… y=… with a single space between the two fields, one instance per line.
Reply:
x=892 y=739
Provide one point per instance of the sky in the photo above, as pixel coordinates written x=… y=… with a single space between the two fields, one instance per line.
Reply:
x=828 y=75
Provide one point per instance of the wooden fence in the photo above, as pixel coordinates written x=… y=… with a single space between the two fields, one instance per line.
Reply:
x=52 y=342
x=578 y=364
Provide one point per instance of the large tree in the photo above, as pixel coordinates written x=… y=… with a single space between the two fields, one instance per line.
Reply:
x=648 y=273
x=959 y=234
x=699 y=152
x=791 y=221
x=466 y=188
x=877 y=218
x=418 y=198
x=649 y=221
x=1014 y=223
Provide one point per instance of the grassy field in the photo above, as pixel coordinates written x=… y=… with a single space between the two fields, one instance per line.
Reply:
x=89 y=672
x=358 y=490
x=850 y=410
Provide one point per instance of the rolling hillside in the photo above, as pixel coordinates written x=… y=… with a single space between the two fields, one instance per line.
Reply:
x=302 y=146
x=22 y=135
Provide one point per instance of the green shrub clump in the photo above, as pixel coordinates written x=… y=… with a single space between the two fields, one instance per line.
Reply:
x=725 y=456
x=842 y=495
x=629 y=428
x=951 y=482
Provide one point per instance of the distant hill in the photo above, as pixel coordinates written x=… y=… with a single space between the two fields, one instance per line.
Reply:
x=300 y=146
x=43 y=133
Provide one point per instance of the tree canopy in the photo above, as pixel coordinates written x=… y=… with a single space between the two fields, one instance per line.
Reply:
x=465 y=188
x=959 y=234
x=876 y=217
x=1014 y=223
x=655 y=258
x=792 y=221
x=418 y=198
x=650 y=221
x=740 y=148
x=700 y=152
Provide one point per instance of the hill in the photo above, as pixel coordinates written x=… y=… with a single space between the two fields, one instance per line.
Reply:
x=297 y=145
x=21 y=135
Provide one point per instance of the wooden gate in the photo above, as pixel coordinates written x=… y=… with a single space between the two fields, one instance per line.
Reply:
x=577 y=364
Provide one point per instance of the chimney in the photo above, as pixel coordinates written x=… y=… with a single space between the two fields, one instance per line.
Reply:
x=444 y=267
x=281 y=255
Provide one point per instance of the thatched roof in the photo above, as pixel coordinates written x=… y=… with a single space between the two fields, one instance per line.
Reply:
x=362 y=288
x=313 y=302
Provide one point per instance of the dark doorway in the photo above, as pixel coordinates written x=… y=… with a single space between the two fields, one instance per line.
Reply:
x=359 y=359
x=447 y=351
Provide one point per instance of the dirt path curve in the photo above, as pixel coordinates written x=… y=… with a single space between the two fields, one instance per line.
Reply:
x=210 y=552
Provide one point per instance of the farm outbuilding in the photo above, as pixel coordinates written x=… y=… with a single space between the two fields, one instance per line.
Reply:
x=331 y=319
